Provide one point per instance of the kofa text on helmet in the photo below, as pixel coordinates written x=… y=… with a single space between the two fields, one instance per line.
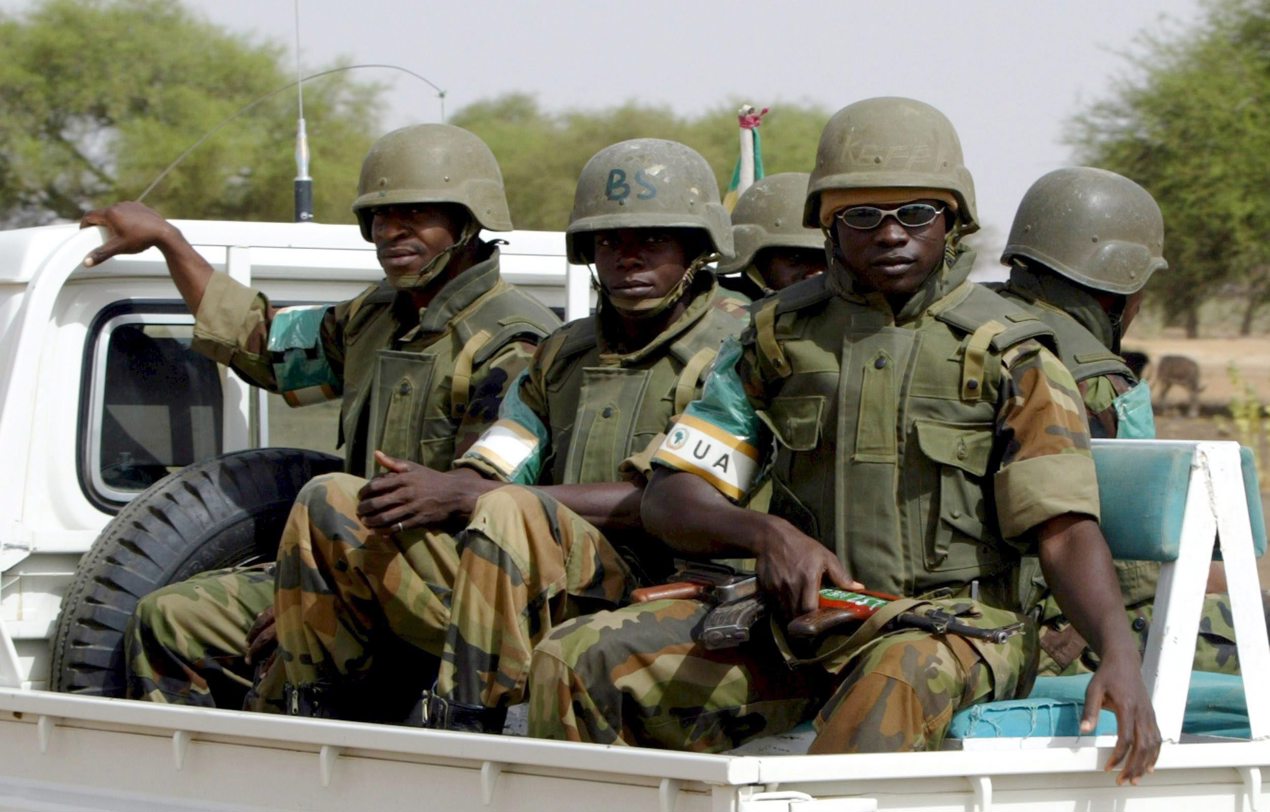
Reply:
x=892 y=156
x=617 y=188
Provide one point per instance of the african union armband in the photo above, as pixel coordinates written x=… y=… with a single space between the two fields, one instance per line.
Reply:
x=512 y=449
x=725 y=461
x=300 y=367
x=717 y=437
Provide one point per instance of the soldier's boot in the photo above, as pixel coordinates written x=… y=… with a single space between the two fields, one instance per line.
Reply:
x=439 y=713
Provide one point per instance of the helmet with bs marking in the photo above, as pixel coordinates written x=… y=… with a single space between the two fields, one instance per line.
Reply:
x=646 y=183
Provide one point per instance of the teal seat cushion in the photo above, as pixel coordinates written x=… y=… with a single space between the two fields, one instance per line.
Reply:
x=1215 y=706
x=1021 y=718
x=1142 y=486
x=1252 y=490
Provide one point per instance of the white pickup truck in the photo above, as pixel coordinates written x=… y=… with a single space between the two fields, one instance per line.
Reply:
x=100 y=397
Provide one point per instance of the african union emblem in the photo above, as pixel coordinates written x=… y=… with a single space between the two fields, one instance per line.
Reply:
x=677 y=439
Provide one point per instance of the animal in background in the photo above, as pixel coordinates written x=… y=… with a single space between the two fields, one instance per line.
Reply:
x=1175 y=370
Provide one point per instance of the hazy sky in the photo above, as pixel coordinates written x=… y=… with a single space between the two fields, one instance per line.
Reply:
x=1009 y=73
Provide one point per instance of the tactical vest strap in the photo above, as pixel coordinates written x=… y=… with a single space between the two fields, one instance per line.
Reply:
x=972 y=365
x=765 y=334
x=1094 y=365
x=981 y=306
x=994 y=323
x=461 y=382
x=686 y=388
x=571 y=339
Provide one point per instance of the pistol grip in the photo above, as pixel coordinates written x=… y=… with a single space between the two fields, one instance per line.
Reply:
x=819 y=621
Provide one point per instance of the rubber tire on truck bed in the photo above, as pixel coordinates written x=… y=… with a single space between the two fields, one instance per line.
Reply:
x=220 y=513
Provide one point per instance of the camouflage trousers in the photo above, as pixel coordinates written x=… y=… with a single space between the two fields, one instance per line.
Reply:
x=634 y=676
x=527 y=563
x=358 y=610
x=186 y=643
x=1063 y=651
x=368 y=615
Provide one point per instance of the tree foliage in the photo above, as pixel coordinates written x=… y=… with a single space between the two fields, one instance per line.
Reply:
x=97 y=97
x=1193 y=126
x=542 y=153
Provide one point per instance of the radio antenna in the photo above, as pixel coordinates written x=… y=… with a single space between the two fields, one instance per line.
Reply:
x=303 y=183
x=254 y=103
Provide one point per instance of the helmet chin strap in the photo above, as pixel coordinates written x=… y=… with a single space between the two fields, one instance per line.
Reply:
x=433 y=268
x=1117 y=324
x=642 y=308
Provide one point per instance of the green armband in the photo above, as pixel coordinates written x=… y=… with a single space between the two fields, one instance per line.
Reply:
x=300 y=367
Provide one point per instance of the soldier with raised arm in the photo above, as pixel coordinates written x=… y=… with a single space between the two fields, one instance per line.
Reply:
x=919 y=439
x=580 y=425
x=419 y=363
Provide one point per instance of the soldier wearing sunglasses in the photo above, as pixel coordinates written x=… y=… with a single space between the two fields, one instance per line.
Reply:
x=918 y=439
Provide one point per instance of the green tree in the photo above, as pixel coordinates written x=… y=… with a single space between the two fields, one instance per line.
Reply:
x=1193 y=126
x=97 y=97
x=542 y=153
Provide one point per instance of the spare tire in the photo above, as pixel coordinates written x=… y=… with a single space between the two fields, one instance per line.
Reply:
x=224 y=512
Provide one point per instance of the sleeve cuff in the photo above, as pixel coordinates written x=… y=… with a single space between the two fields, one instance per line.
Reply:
x=228 y=314
x=1026 y=495
x=640 y=464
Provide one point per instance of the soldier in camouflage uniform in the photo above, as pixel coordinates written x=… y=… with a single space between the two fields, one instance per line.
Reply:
x=597 y=394
x=1083 y=245
x=773 y=247
x=420 y=363
x=883 y=399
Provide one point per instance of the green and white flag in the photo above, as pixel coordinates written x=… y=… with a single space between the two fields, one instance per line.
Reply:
x=749 y=164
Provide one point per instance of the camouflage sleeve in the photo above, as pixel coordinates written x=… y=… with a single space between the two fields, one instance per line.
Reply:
x=289 y=351
x=514 y=447
x=1046 y=469
x=490 y=385
x=717 y=437
x=1099 y=395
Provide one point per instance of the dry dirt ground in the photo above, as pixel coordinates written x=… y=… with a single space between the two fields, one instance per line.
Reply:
x=1249 y=358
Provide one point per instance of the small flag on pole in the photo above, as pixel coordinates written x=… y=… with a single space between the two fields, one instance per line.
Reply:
x=749 y=165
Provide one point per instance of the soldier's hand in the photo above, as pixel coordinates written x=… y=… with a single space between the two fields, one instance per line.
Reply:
x=793 y=566
x=408 y=495
x=133 y=227
x=262 y=637
x=1117 y=685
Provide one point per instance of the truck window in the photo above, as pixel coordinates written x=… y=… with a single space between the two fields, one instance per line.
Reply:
x=152 y=405
x=155 y=406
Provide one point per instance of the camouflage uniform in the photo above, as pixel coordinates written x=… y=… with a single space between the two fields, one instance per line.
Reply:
x=1084 y=334
x=886 y=431
x=524 y=561
x=433 y=380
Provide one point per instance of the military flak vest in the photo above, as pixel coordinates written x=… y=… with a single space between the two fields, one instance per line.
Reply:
x=414 y=395
x=885 y=435
x=605 y=407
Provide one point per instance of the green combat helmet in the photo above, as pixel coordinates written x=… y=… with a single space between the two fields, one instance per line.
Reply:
x=769 y=215
x=1095 y=227
x=433 y=163
x=891 y=143
x=646 y=183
